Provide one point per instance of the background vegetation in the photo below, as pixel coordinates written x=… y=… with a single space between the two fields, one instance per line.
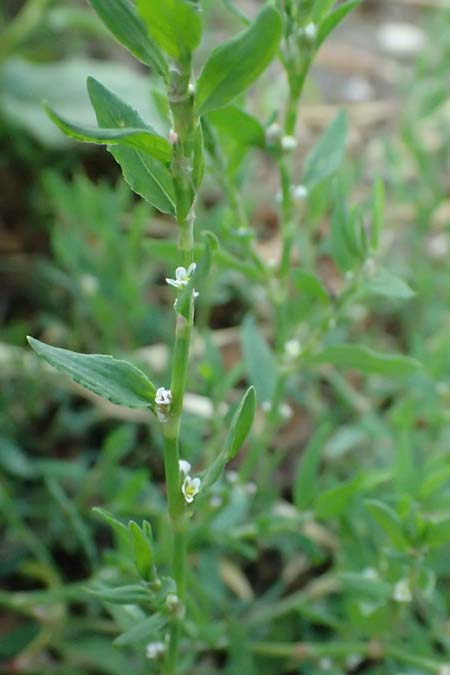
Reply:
x=325 y=548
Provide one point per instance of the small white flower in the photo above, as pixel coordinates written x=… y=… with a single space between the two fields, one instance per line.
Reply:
x=402 y=591
x=173 y=137
x=292 y=348
x=182 y=276
x=154 y=650
x=172 y=601
x=185 y=467
x=190 y=488
x=310 y=32
x=285 y=411
x=299 y=192
x=163 y=401
x=289 y=143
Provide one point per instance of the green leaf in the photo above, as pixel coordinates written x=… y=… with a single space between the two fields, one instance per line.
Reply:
x=241 y=423
x=143 y=549
x=386 y=284
x=305 y=482
x=367 y=360
x=145 y=631
x=145 y=175
x=238 y=125
x=121 y=530
x=259 y=360
x=24 y=85
x=309 y=284
x=146 y=140
x=328 y=154
x=132 y=594
x=239 y=429
x=118 y=381
x=348 y=236
x=389 y=522
x=175 y=25
x=235 y=65
x=333 y=19
x=335 y=501
x=438 y=532
x=122 y=20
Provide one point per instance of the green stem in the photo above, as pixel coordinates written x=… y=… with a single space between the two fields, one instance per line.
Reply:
x=184 y=125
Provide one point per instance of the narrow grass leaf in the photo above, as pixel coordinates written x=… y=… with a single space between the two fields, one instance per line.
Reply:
x=367 y=360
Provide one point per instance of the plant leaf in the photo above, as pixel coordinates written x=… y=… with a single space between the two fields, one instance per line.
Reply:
x=238 y=125
x=145 y=175
x=240 y=426
x=367 y=360
x=333 y=19
x=386 y=284
x=328 y=153
x=143 y=549
x=146 y=140
x=305 y=483
x=259 y=360
x=175 y=25
x=147 y=630
x=235 y=64
x=389 y=522
x=118 y=381
x=121 y=18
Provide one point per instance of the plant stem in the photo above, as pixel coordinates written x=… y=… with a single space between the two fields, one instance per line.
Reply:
x=184 y=127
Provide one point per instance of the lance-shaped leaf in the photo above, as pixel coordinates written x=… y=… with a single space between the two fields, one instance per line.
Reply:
x=328 y=154
x=175 y=25
x=240 y=426
x=146 y=140
x=333 y=19
x=121 y=18
x=118 y=381
x=367 y=360
x=145 y=175
x=143 y=549
x=236 y=64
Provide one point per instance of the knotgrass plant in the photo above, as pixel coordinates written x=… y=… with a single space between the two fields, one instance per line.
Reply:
x=210 y=127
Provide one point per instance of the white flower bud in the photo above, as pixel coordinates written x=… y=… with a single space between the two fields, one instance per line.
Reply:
x=154 y=650
x=402 y=591
x=289 y=143
x=184 y=466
